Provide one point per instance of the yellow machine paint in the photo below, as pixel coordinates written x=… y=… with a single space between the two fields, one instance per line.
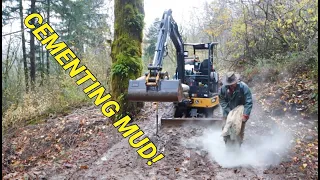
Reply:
x=205 y=102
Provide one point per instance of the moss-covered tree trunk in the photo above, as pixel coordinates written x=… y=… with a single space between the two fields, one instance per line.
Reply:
x=126 y=51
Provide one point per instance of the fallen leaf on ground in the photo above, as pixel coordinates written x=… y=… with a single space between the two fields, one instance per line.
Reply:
x=84 y=167
x=304 y=165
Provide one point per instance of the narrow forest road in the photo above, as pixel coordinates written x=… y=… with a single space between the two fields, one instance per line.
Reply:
x=190 y=152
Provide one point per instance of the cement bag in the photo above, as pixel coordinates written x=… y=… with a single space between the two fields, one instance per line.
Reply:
x=233 y=123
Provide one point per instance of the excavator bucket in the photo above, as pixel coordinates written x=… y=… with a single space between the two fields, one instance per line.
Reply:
x=164 y=91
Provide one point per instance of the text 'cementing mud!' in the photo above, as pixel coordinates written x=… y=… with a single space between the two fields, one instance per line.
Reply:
x=69 y=61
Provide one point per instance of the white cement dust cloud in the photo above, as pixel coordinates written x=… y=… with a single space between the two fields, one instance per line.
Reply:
x=255 y=151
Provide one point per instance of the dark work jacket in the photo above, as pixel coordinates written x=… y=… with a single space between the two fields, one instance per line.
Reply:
x=241 y=96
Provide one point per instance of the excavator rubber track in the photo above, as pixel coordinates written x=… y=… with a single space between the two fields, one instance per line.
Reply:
x=168 y=120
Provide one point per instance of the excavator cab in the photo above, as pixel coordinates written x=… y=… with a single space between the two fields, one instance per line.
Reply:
x=203 y=80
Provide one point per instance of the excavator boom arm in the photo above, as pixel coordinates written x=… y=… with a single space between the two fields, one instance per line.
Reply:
x=154 y=86
x=168 y=27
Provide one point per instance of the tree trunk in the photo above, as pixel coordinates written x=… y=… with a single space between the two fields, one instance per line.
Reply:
x=32 y=50
x=25 y=64
x=6 y=65
x=48 y=21
x=41 y=61
x=126 y=51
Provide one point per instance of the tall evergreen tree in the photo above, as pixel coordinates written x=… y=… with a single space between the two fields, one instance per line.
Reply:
x=32 y=50
x=151 y=39
x=84 y=23
x=24 y=52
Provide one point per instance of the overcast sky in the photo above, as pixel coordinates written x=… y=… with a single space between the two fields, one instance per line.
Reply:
x=153 y=9
x=180 y=9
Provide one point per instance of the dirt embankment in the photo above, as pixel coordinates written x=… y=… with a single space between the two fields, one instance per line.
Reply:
x=290 y=91
x=82 y=145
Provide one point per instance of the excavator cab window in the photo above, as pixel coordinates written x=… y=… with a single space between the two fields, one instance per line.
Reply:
x=202 y=81
x=186 y=53
x=204 y=67
x=197 y=66
x=197 y=63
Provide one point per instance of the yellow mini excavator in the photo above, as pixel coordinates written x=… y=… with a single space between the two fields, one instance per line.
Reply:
x=194 y=88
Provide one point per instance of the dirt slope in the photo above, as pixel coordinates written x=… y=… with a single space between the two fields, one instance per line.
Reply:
x=81 y=146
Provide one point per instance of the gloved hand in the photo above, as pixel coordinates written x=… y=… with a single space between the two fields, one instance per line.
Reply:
x=245 y=118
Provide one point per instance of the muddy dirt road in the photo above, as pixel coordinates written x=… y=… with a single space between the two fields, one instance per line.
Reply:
x=190 y=152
